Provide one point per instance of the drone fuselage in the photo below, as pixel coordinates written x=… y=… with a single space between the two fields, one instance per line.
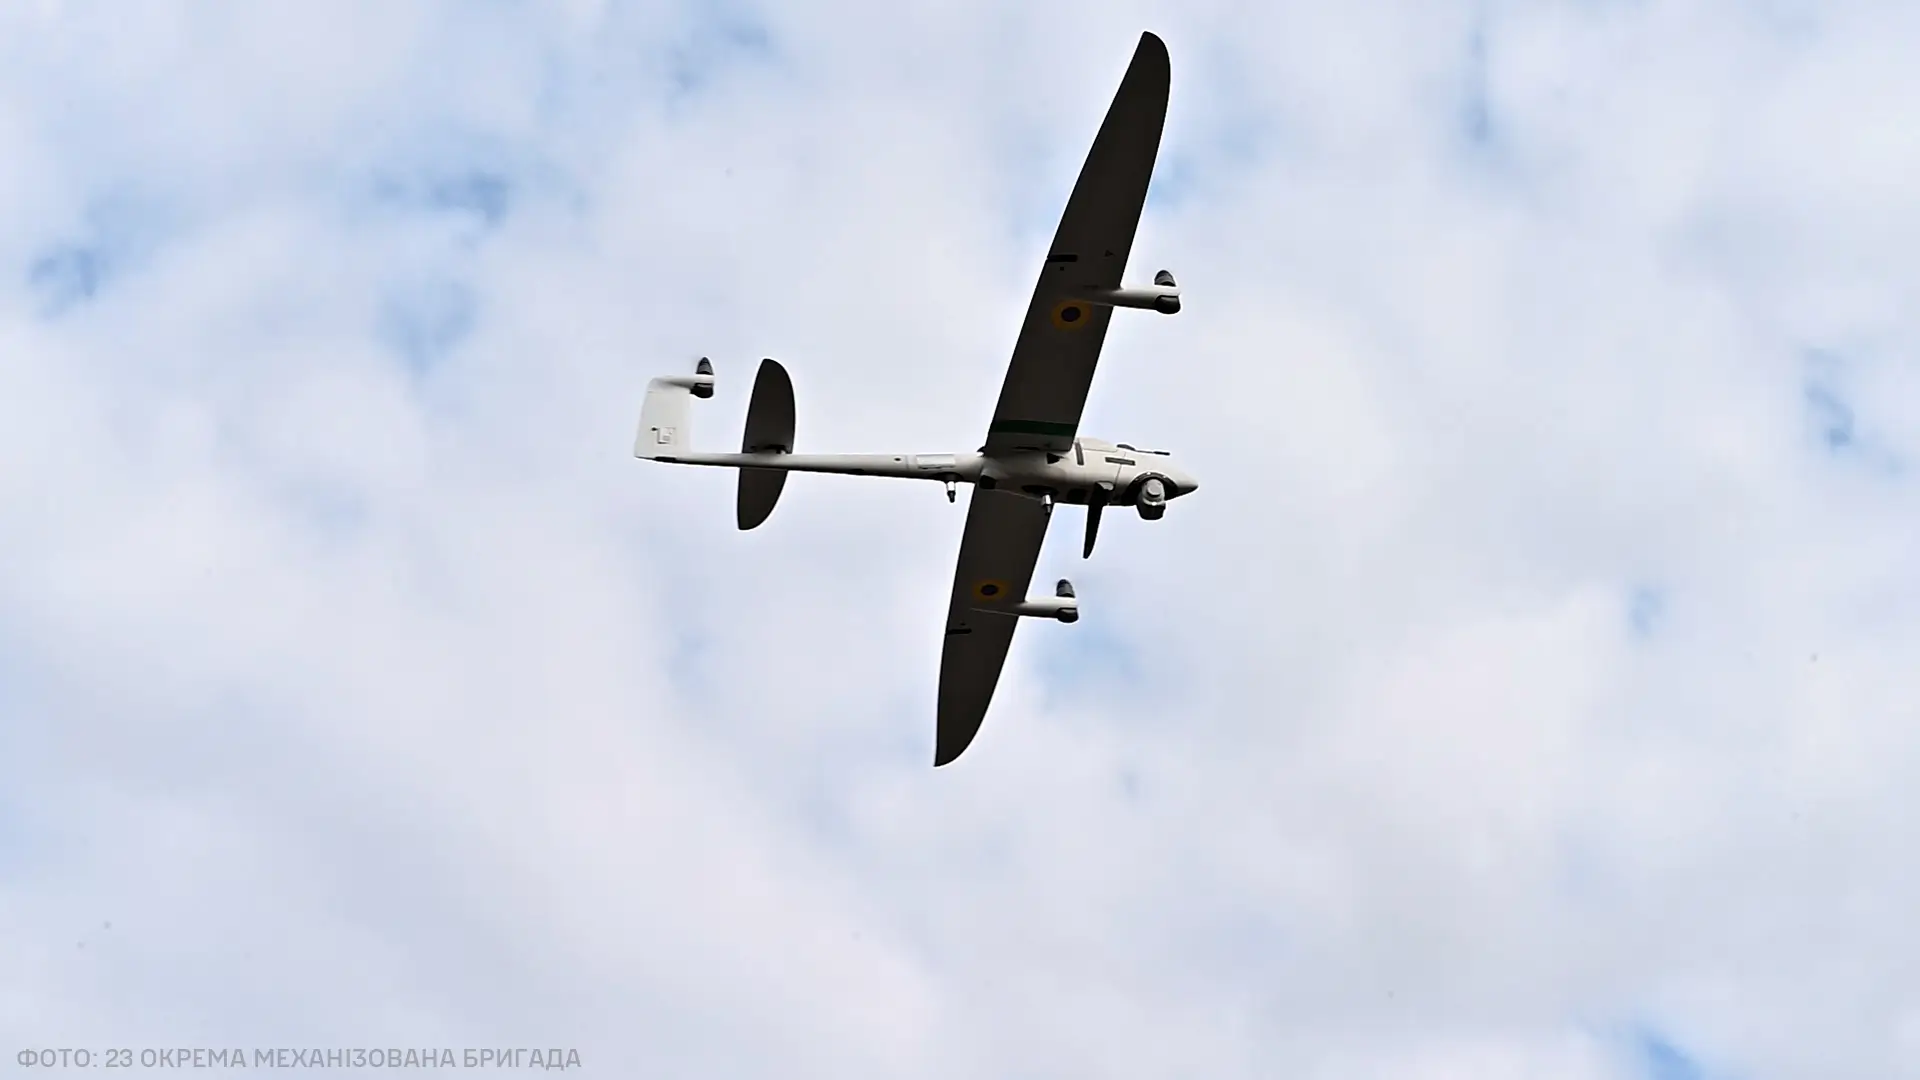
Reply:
x=1094 y=471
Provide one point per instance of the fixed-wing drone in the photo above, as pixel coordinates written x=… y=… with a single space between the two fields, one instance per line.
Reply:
x=1034 y=456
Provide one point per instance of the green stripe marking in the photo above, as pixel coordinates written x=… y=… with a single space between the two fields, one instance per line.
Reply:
x=1032 y=427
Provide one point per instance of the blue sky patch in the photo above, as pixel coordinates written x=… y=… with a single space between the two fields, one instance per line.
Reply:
x=118 y=228
x=1831 y=416
x=425 y=323
x=330 y=510
x=1660 y=1058
x=1231 y=146
x=1645 y=608
x=1085 y=656
x=1476 y=114
x=717 y=44
x=486 y=195
x=1229 y=130
x=66 y=276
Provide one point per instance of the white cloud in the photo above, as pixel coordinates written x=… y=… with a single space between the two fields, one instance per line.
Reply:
x=378 y=698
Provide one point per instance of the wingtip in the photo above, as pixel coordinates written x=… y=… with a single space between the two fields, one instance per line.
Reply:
x=947 y=753
x=1150 y=58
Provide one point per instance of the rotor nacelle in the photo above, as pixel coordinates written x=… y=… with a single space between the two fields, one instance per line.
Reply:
x=1061 y=605
x=1163 y=297
x=700 y=382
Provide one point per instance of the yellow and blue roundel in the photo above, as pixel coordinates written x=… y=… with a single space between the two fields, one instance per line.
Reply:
x=990 y=590
x=1071 y=315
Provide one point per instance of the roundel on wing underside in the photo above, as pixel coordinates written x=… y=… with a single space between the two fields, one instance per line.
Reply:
x=990 y=590
x=1071 y=315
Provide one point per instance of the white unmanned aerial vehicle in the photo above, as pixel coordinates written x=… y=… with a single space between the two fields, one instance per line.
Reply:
x=1034 y=455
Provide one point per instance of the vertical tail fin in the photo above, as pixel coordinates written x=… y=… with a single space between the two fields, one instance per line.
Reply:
x=667 y=414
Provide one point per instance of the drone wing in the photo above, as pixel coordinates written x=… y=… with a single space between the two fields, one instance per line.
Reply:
x=1059 y=345
x=1046 y=390
x=998 y=552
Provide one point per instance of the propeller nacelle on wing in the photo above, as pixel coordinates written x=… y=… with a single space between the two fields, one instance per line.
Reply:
x=700 y=382
x=1061 y=605
x=1163 y=297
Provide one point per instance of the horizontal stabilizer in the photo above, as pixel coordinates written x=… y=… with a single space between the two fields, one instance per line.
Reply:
x=769 y=431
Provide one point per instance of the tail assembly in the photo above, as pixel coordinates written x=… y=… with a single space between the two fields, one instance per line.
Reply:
x=766 y=449
x=666 y=417
x=769 y=431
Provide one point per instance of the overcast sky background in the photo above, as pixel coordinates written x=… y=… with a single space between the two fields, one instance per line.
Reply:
x=1529 y=691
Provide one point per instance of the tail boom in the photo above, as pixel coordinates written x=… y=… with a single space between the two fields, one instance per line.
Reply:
x=961 y=467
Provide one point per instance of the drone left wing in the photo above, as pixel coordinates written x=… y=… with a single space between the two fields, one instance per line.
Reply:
x=998 y=552
x=1053 y=361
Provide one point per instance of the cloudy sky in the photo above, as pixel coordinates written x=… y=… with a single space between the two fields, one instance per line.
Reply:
x=1529 y=691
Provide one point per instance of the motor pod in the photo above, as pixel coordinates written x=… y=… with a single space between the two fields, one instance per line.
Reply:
x=1167 y=303
x=1063 y=591
x=1164 y=299
x=700 y=382
x=1061 y=606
